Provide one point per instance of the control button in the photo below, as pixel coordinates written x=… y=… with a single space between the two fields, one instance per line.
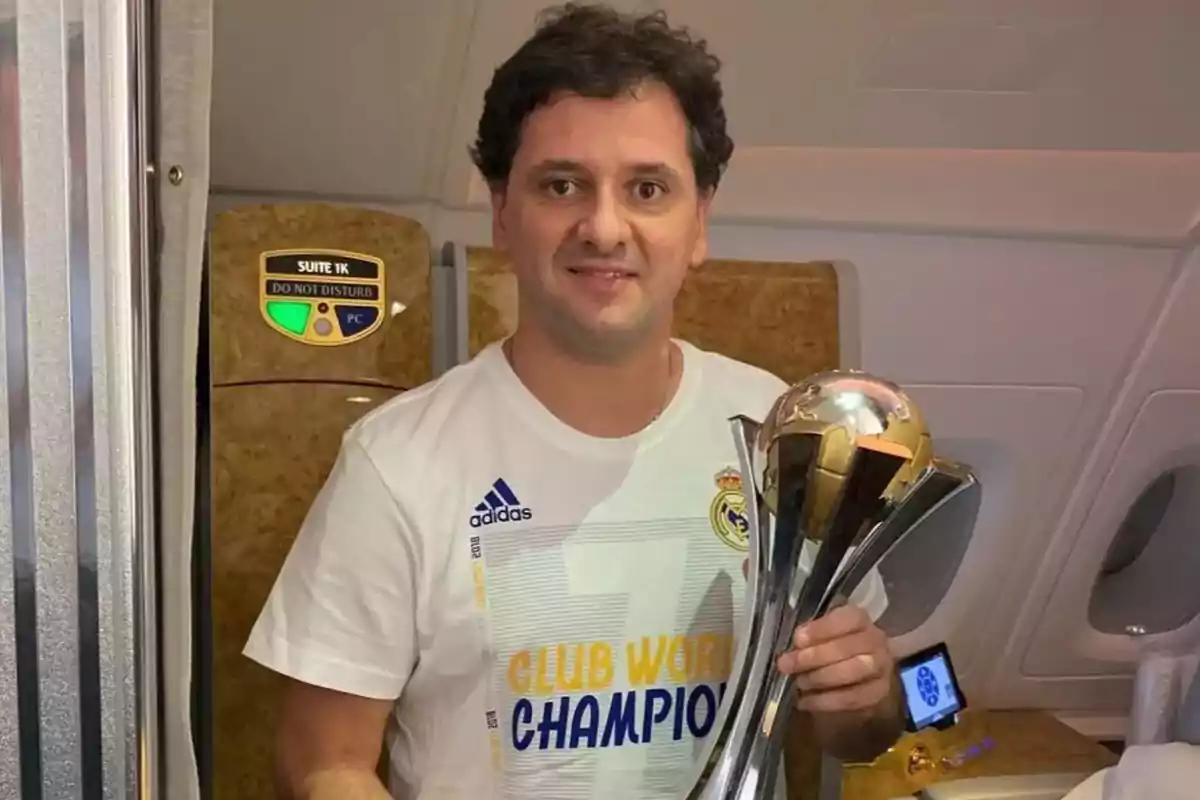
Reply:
x=322 y=327
x=290 y=316
x=354 y=319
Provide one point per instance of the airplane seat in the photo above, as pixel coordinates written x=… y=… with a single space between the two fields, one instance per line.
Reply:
x=318 y=314
x=1162 y=759
x=1168 y=771
x=1187 y=723
x=1166 y=700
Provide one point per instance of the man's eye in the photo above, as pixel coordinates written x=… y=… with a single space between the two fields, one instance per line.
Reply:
x=560 y=187
x=648 y=190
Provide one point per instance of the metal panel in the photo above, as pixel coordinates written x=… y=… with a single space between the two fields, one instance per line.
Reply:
x=77 y=477
x=83 y=389
x=109 y=61
x=19 y=750
x=462 y=291
x=444 y=288
x=50 y=546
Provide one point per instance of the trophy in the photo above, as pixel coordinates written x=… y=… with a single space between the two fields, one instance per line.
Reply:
x=843 y=465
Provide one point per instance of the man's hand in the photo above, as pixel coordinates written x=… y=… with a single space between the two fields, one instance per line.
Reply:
x=841 y=662
x=846 y=680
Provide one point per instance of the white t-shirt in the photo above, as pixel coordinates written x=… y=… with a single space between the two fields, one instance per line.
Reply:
x=554 y=612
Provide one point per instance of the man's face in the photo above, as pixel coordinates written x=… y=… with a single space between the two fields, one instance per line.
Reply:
x=602 y=218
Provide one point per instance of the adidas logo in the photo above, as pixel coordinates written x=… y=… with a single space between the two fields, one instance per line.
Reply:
x=499 y=505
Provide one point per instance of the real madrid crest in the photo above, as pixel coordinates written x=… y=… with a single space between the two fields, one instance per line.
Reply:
x=728 y=510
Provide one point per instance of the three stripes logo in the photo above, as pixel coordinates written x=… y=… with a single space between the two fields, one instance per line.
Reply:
x=500 y=504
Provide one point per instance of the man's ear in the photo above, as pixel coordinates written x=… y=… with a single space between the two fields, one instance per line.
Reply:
x=499 y=230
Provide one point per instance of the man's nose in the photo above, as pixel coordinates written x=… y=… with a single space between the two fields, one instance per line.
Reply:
x=605 y=224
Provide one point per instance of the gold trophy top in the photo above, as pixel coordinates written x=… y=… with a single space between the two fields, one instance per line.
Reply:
x=848 y=409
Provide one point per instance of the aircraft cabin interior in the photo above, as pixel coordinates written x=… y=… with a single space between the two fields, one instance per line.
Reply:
x=232 y=230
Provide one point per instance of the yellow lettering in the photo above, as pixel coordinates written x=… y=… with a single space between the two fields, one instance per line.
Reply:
x=600 y=668
x=518 y=672
x=541 y=682
x=559 y=668
x=575 y=682
x=681 y=646
x=645 y=666
x=480 y=590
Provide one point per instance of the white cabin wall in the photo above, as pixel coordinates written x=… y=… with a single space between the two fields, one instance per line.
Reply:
x=1152 y=427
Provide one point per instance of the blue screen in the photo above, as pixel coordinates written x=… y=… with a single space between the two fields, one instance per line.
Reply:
x=930 y=691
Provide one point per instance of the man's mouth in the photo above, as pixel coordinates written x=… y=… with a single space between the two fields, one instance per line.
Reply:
x=602 y=271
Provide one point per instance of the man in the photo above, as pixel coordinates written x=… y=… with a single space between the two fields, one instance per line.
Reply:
x=530 y=564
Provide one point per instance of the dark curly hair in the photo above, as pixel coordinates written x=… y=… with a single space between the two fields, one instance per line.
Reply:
x=595 y=51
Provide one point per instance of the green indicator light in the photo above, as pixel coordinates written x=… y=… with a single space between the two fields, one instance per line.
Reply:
x=289 y=316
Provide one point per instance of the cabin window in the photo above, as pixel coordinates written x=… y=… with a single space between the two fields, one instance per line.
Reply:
x=1147 y=581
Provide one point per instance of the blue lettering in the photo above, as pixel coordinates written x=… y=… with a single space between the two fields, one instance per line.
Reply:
x=701 y=729
x=620 y=720
x=652 y=717
x=580 y=722
x=522 y=715
x=585 y=730
x=549 y=723
x=680 y=698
